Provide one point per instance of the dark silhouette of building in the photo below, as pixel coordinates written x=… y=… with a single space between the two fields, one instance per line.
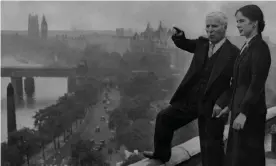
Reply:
x=33 y=26
x=44 y=28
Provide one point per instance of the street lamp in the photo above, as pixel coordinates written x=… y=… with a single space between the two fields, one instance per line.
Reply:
x=42 y=147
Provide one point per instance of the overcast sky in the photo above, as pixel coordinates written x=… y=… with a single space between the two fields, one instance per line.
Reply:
x=190 y=16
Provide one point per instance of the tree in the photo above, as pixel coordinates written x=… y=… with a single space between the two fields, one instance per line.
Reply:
x=159 y=64
x=132 y=59
x=169 y=83
x=27 y=141
x=93 y=158
x=11 y=155
x=133 y=158
x=118 y=119
x=138 y=108
x=140 y=132
x=141 y=83
x=82 y=151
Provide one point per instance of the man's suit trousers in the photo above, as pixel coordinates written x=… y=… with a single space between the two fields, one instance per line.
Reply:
x=210 y=131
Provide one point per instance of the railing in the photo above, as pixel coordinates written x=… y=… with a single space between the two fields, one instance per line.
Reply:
x=191 y=149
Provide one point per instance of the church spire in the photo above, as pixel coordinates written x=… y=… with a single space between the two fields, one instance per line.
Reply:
x=160 y=26
x=43 y=20
x=148 y=25
x=44 y=28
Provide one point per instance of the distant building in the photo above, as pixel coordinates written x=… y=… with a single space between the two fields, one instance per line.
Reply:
x=151 y=40
x=128 y=32
x=33 y=26
x=44 y=28
x=125 y=33
x=120 y=31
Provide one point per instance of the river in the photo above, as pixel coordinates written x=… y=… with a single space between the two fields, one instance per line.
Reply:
x=47 y=91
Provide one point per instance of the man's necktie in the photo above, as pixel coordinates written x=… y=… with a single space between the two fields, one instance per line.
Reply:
x=211 y=50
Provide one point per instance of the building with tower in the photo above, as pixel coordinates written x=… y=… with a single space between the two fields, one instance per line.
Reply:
x=33 y=26
x=151 y=40
x=44 y=28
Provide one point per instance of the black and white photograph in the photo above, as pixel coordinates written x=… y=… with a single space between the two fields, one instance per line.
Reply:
x=138 y=83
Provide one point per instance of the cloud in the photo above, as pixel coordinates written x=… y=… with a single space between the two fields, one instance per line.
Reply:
x=188 y=15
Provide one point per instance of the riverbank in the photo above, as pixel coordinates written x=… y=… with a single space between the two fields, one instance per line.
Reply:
x=47 y=92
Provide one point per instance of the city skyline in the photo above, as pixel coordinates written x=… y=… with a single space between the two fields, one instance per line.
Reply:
x=135 y=15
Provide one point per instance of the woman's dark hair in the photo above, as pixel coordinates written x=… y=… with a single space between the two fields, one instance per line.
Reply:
x=253 y=13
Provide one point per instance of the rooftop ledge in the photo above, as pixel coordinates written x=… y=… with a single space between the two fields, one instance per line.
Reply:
x=186 y=151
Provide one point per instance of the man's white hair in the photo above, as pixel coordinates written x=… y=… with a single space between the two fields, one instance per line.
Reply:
x=220 y=15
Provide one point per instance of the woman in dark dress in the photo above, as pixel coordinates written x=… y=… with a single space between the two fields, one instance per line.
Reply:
x=245 y=145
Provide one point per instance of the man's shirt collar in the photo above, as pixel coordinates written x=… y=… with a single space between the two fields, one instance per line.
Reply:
x=218 y=45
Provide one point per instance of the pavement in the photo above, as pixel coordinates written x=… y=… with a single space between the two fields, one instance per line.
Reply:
x=105 y=133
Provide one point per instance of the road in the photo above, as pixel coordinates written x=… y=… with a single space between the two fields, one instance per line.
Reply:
x=87 y=129
x=104 y=133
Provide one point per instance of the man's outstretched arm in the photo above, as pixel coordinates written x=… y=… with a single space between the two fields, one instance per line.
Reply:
x=183 y=43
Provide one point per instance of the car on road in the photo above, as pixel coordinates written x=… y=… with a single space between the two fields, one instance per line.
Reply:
x=106 y=110
x=97 y=148
x=102 y=118
x=102 y=142
x=97 y=130
x=112 y=138
x=92 y=141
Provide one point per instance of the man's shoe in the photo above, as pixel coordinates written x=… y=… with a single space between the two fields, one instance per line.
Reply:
x=151 y=155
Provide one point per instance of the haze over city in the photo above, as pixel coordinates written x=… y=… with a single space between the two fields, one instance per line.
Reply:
x=111 y=15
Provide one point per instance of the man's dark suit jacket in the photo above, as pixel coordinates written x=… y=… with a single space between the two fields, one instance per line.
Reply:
x=250 y=74
x=218 y=87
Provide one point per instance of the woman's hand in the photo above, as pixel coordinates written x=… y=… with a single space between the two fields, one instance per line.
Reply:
x=239 y=122
x=223 y=112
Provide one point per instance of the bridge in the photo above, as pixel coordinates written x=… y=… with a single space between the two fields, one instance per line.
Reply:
x=37 y=72
x=17 y=73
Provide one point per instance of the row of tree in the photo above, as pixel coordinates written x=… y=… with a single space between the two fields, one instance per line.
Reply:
x=84 y=153
x=50 y=123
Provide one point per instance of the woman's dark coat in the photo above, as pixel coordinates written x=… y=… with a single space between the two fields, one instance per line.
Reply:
x=246 y=147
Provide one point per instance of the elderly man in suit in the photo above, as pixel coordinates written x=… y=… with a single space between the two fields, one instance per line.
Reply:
x=202 y=94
